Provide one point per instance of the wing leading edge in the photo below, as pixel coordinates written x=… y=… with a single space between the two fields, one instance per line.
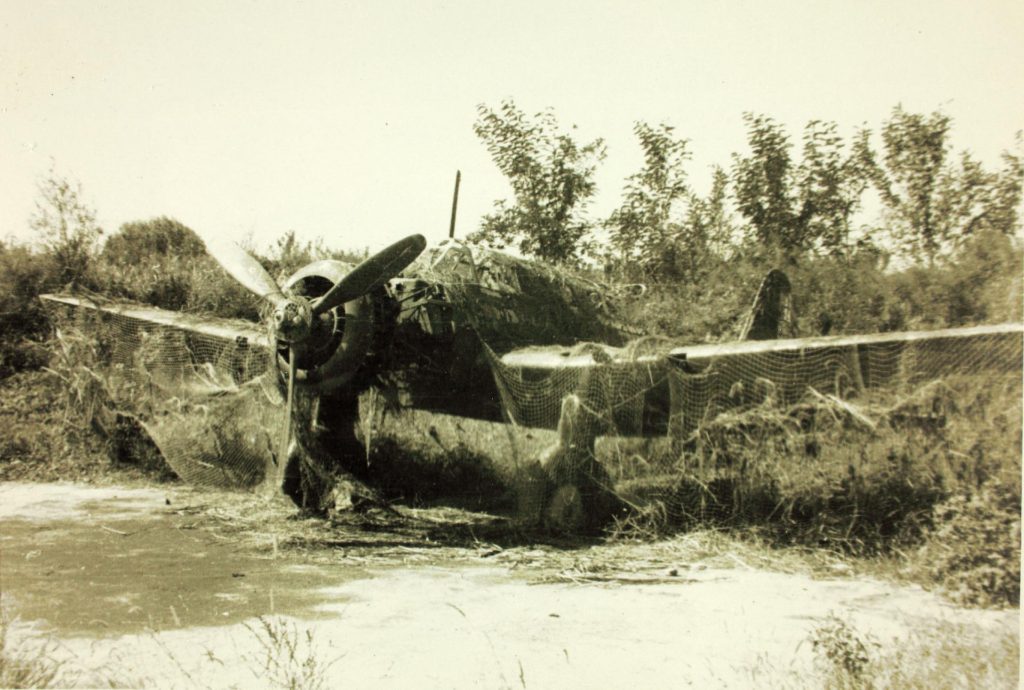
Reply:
x=228 y=330
x=551 y=359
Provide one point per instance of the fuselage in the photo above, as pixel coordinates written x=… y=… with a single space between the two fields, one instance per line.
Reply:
x=456 y=308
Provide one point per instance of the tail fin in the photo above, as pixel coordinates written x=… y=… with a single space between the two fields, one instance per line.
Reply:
x=771 y=305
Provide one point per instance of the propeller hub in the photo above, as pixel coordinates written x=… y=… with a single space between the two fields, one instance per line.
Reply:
x=293 y=321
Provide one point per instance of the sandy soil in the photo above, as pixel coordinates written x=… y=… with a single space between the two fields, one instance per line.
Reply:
x=127 y=588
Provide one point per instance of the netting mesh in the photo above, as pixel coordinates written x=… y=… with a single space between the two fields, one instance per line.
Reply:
x=210 y=404
x=738 y=427
x=213 y=407
x=617 y=393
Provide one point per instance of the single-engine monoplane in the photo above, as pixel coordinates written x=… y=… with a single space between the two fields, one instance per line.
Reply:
x=479 y=334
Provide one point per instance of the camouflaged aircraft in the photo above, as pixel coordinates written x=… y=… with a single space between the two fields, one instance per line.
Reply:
x=480 y=334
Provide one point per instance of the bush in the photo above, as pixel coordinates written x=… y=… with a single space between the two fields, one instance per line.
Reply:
x=846 y=295
x=708 y=308
x=850 y=294
x=163 y=263
x=67 y=226
x=140 y=241
x=981 y=285
x=974 y=551
x=24 y=275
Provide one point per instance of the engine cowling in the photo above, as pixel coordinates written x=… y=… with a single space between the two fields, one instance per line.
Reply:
x=341 y=338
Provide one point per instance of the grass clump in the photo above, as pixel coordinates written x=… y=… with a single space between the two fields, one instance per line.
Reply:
x=290 y=659
x=951 y=655
x=25 y=664
x=948 y=655
x=841 y=651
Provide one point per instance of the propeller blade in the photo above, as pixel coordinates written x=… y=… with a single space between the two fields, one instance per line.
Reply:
x=374 y=272
x=286 y=432
x=241 y=266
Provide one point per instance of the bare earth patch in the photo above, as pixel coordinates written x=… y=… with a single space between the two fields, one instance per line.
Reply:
x=176 y=588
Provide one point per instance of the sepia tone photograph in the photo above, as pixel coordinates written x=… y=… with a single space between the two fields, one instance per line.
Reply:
x=559 y=344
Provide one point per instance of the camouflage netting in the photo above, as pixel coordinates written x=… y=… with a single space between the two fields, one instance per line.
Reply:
x=214 y=409
x=698 y=390
x=759 y=427
x=211 y=405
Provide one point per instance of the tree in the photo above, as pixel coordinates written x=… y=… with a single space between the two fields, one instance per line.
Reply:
x=831 y=184
x=932 y=201
x=646 y=230
x=151 y=261
x=763 y=186
x=67 y=226
x=1002 y=212
x=552 y=178
x=914 y=148
x=663 y=230
x=792 y=207
x=708 y=225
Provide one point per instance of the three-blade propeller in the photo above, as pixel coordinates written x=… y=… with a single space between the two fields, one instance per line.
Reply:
x=293 y=317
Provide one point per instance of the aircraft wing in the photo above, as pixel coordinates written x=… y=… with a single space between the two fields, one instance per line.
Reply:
x=681 y=385
x=550 y=359
x=172 y=347
x=227 y=330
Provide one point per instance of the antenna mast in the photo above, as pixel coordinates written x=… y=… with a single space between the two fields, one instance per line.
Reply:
x=455 y=203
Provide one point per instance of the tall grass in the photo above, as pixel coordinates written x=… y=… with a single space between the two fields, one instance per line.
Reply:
x=27 y=663
x=876 y=479
x=854 y=472
x=881 y=476
x=947 y=656
x=288 y=658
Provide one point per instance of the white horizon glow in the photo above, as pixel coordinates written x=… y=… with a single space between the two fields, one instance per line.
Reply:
x=347 y=121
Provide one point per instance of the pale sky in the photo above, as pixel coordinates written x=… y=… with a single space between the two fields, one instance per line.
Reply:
x=348 y=120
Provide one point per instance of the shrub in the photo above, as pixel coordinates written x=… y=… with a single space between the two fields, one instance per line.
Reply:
x=67 y=227
x=840 y=648
x=974 y=551
x=710 y=307
x=163 y=263
x=24 y=274
x=139 y=241
x=849 y=294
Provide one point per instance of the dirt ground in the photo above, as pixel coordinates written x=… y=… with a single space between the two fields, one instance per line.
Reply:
x=175 y=588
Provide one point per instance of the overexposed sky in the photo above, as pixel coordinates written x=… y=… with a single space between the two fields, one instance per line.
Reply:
x=348 y=120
